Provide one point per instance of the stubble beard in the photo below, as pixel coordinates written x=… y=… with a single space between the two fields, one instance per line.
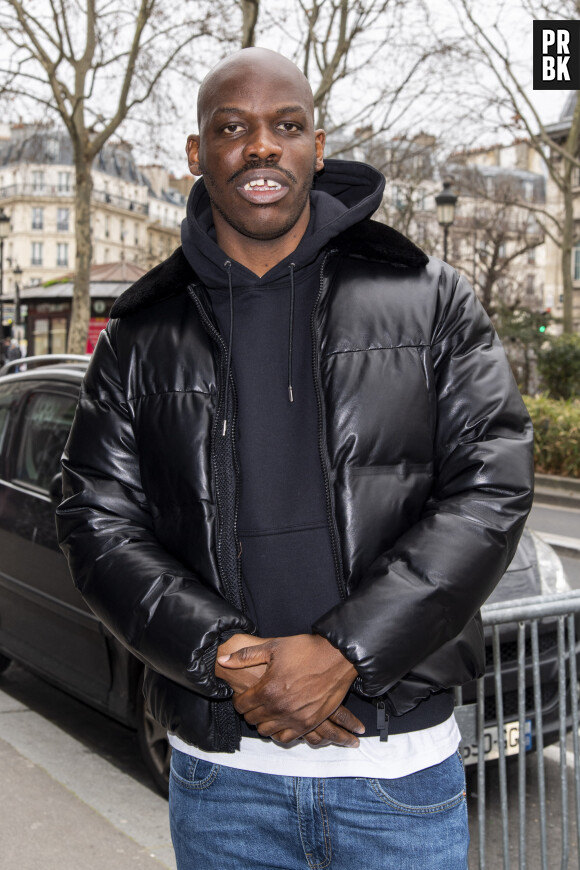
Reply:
x=265 y=235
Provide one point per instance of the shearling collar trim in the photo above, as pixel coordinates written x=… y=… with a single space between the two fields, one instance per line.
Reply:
x=375 y=241
x=368 y=239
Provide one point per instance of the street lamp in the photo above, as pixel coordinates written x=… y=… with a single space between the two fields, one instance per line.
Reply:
x=445 y=202
x=4 y=230
x=17 y=272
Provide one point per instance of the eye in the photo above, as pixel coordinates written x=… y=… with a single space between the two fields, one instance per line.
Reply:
x=232 y=128
x=290 y=127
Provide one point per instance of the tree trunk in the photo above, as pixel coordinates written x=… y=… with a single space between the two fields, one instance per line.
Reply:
x=250 y=9
x=81 y=302
x=567 y=245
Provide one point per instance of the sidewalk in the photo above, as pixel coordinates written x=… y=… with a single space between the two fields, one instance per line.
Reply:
x=63 y=807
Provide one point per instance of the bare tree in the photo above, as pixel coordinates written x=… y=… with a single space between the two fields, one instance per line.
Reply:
x=410 y=165
x=91 y=65
x=488 y=46
x=498 y=228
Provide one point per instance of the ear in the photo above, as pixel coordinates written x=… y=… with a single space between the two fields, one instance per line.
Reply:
x=319 y=139
x=192 y=151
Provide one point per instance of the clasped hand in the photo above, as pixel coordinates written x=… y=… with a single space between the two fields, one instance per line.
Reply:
x=291 y=687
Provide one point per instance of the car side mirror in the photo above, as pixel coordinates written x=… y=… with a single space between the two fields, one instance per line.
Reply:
x=55 y=489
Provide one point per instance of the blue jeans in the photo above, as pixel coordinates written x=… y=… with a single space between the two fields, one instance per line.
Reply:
x=226 y=818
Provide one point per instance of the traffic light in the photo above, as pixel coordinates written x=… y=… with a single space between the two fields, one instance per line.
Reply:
x=543 y=320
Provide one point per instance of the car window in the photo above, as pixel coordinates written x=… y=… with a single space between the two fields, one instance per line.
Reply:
x=47 y=421
x=6 y=399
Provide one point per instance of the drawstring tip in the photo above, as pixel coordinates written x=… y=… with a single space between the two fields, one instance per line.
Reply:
x=225 y=428
x=290 y=394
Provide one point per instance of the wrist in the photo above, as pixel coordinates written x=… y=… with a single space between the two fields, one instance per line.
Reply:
x=339 y=661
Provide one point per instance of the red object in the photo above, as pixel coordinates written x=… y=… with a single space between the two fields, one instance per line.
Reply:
x=96 y=326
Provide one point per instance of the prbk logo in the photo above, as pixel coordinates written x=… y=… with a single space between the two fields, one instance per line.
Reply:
x=556 y=55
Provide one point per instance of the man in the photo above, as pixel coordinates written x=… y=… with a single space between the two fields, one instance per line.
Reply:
x=293 y=514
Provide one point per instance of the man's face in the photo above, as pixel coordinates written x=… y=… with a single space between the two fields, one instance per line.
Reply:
x=257 y=148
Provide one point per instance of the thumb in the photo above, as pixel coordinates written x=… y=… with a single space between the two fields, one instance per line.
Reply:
x=247 y=657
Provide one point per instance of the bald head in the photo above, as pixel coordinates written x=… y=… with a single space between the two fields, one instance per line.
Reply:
x=243 y=72
x=257 y=150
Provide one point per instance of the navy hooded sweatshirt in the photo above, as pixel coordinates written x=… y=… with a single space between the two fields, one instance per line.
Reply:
x=288 y=573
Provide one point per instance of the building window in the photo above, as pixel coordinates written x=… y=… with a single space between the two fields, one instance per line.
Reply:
x=122 y=230
x=528 y=190
x=64 y=185
x=62 y=254
x=532 y=256
x=530 y=285
x=37 y=181
x=107 y=228
x=36 y=254
x=62 y=219
x=577 y=263
x=37 y=218
x=398 y=198
x=136 y=234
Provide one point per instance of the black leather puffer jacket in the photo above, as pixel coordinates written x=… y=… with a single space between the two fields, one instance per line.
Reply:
x=428 y=466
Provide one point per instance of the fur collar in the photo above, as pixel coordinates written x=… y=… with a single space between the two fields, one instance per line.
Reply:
x=368 y=239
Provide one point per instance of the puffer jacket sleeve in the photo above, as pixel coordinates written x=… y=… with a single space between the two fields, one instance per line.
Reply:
x=430 y=584
x=151 y=602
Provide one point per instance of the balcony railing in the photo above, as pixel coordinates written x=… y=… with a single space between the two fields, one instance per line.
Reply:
x=16 y=190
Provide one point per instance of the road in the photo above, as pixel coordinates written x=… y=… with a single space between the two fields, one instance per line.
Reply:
x=560 y=521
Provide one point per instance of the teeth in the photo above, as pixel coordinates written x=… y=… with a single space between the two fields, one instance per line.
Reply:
x=260 y=182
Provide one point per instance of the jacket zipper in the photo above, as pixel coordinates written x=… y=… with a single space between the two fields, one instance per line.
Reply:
x=238 y=600
x=227 y=716
x=337 y=558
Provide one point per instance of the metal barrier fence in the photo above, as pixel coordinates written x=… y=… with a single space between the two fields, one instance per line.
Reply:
x=542 y=631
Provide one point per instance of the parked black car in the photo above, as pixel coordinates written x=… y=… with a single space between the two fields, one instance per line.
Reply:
x=46 y=626
x=44 y=623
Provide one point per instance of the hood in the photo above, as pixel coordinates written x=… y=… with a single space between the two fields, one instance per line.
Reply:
x=343 y=194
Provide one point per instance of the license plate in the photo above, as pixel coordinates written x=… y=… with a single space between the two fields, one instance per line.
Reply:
x=511 y=742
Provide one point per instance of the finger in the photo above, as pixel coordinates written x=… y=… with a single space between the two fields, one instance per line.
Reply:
x=327 y=732
x=247 y=657
x=314 y=738
x=347 y=720
x=285 y=737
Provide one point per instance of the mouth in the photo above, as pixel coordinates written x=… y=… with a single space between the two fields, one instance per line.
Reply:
x=261 y=189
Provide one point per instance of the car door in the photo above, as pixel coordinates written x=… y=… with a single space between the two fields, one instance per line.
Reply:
x=44 y=622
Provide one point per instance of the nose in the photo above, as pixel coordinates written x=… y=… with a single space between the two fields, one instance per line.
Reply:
x=262 y=144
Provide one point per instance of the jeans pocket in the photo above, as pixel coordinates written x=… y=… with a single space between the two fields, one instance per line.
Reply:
x=432 y=790
x=191 y=772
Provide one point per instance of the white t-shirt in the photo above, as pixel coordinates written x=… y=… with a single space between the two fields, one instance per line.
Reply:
x=400 y=755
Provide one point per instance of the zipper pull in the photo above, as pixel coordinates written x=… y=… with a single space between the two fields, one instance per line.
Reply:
x=382 y=721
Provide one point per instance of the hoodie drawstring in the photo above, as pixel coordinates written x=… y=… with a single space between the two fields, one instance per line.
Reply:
x=228 y=268
x=291 y=332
